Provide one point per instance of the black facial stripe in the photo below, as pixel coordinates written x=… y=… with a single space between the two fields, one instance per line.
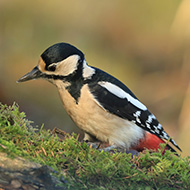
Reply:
x=74 y=88
x=75 y=79
x=54 y=77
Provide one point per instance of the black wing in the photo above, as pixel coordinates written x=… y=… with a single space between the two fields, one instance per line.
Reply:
x=123 y=107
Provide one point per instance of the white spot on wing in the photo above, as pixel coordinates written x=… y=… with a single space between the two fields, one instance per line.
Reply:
x=122 y=94
x=153 y=131
x=148 y=125
x=150 y=118
x=87 y=70
x=159 y=126
x=137 y=115
x=157 y=131
x=174 y=142
x=165 y=135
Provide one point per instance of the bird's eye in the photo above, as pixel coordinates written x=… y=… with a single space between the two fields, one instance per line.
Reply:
x=52 y=68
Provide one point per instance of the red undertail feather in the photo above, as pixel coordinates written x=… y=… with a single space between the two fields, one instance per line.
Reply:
x=149 y=142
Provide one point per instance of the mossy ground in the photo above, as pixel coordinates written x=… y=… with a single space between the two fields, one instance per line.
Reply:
x=87 y=168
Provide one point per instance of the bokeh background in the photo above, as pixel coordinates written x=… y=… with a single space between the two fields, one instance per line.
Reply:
x=146 y=44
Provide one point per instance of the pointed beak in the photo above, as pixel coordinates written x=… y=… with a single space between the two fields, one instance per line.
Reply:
x=34 y=74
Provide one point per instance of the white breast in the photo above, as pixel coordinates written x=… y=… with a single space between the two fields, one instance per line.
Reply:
x=92 y=118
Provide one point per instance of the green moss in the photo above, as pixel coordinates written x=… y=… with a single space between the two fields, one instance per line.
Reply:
x=85 y=167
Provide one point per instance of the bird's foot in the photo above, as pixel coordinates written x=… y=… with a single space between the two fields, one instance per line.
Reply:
x=112 y=148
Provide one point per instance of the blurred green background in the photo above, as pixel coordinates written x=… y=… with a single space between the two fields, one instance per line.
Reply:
x=146 y=44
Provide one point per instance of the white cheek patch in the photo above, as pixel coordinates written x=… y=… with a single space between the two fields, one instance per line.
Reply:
x=122 y=94
x=87 y=71
x=67 y=66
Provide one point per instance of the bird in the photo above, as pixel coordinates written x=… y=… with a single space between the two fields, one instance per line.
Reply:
x=102 y=106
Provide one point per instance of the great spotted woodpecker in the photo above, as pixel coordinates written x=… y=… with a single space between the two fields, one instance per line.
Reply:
x=99 y=104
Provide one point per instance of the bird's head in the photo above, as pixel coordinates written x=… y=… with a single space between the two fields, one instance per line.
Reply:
x=59 y=61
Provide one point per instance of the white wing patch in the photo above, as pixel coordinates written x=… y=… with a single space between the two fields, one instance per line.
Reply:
x=137 y=115
x=122 y=94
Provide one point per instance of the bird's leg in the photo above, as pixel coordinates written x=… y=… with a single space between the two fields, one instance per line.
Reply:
x=91 y=141
x=114 y=148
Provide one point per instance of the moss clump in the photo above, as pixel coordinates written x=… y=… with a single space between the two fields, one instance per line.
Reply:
x=85 y=167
